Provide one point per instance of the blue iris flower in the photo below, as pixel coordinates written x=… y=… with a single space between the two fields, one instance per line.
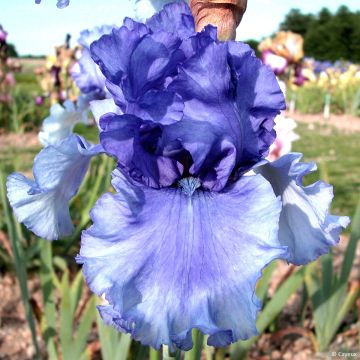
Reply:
x=197 y=212
x=86 y=73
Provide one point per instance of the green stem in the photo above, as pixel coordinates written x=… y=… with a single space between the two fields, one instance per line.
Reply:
x=155 y=354
x=20 y=263
x=48 y=322
x=198 y=341
x=167 y=354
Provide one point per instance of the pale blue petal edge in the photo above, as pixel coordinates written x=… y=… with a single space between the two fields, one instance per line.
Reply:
x=42 y=204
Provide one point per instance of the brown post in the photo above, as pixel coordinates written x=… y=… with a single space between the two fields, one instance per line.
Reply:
x=224 y=14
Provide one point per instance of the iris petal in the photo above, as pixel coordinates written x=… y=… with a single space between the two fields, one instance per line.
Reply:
x=59 y=125
x=134 y=143
x=174 y=18
x=238 y=116
x=42 y=205
x=112 y=52
x=306 y=226
x=169 y=261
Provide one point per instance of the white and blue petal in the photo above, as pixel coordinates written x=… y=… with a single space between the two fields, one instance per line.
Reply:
x=42 y=204
x=174 y=259
x=306 y=226
x=60 y=124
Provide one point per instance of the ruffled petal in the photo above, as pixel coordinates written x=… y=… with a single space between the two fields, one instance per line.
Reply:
x=113 y=52
x=155 y=57
x=87 y=74
x=59 y=125
x=87 y=37
x=259 y=99
x=42 y=205
x=134 y=143
x=147 y=8
x=174 y=18
x=306 y=226
x=103 y=107
x=174 y=259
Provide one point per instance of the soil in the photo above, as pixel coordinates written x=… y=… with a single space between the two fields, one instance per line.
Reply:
x=24 y=141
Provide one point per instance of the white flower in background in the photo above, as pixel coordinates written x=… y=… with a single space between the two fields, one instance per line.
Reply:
x=60 y=124
x=285 y=136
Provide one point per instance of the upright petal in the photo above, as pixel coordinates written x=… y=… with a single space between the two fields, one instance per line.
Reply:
x=42 y=204
x=174 y=18
x=306 y=226
x=134 y=143
x=240 y=111
x=87 y=74
x=258 y=97
x=113 y=52
x=171 y=260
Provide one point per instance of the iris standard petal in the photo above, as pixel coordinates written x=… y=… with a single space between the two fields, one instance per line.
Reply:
x=205 y=83
x=306 y=226
x=174 y=18
x=113 y=52
x=259 y=100
x=87 y=37
x=134 y=143
x=86 y=72
x=42 y=204
x=174 y=259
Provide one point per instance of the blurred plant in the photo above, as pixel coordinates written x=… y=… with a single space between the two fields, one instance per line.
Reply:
x=7 y=66
x=55 y=77
x=332 y=294
x=283 y=53
x=338 y=85
x=66 y=335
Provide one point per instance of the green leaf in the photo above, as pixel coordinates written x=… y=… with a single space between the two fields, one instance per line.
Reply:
x=351 y=248
x=66 y=318
x=76 y=291
x=329 y=294
x=114 y=345
x=198 y=341
x=263 y=284
x=48 y=321
x=15 y=235
x=85 y=324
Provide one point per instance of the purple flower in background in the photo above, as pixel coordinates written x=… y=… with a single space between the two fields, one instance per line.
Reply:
x=197 y=212
x=320 y=66
x=3 y=34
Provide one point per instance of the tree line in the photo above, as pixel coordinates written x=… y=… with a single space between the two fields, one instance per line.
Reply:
x=327 y=36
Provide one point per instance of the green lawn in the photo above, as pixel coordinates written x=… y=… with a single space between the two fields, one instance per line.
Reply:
x=338 y=158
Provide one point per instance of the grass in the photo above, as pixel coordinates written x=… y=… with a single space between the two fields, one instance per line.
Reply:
x=337 y=156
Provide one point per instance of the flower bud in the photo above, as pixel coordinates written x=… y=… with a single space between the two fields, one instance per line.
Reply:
x=224 y=14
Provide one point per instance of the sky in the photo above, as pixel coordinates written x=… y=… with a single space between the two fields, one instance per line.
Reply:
x=36 y=29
